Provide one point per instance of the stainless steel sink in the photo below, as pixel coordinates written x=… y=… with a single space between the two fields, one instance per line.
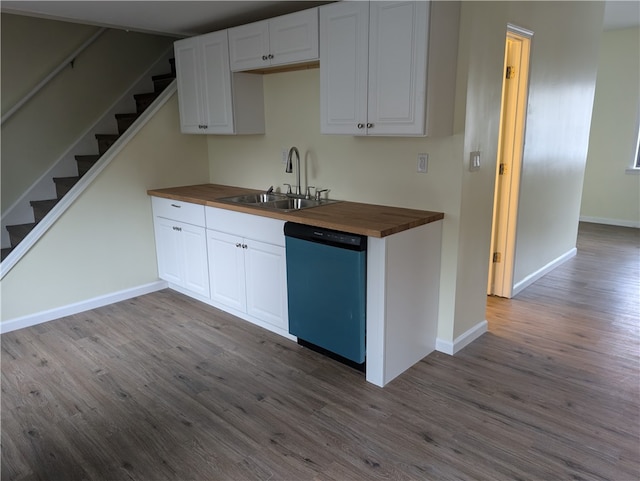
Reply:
x=254 y=198
x=277 y=202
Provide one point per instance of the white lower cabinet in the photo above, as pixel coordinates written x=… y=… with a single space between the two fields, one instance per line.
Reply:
x=247 y=275
x=181 y=246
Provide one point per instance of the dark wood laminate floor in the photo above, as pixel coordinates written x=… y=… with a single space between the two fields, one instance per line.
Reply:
x=162 y=387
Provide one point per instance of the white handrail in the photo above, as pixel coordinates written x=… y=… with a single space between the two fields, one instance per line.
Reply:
x=54 y=72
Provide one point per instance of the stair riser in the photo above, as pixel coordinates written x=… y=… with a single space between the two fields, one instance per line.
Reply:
x=42 y=208
x=18 y=232
x=84 y=166
x=124 y=124
x=104 y=145
x=160 y=85
x=143 y=102
x=64 y=186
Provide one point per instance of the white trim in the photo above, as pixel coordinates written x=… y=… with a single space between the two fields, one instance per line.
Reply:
x=531 y=278
x=82 y=306
x=23 y=247
x=606 y=221
x=463 y=340
x=524 y=32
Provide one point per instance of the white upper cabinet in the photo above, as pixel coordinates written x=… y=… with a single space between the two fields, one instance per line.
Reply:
x=374 y=78
x=211 y=99
x=281 y=40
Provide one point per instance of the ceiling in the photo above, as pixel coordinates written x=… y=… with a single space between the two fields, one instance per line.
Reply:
x=175 y=18
x=188 y=18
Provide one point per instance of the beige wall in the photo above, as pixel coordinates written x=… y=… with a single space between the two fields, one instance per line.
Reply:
x=383 y=170
x=104 y=242
x=564 y=54
x=378 y=170
x=44 y=44
x=39 y=133
x=611 y=195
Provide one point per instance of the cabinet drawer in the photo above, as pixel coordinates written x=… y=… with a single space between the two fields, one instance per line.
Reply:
x=178 y=210
x=255 y=227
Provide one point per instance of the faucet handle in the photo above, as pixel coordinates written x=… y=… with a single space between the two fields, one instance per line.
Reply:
x=288 y=188
x=270 y=190
x=319 y=193
x=308 y=195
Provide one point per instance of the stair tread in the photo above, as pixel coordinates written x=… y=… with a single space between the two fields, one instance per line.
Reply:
x=64 y=179
x=44 y=202
x=21 y=227
x=91 y=157
x=163 y=76
x=132 y=115
x=146 y=95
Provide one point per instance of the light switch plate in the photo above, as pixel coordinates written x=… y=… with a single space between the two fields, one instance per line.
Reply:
x=423 y=163
x=474 y=161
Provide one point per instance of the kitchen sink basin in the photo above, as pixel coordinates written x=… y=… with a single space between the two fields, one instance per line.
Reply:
x=254 y=198
x=277 y=202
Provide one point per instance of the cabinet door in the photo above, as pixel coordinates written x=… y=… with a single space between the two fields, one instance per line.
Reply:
x=216 y=84
x=249 y=46
x=194 y=258
x=168 y=250
x=189 y=75
x=398 y=33
x=294 y=38
x=226 y=269
x=266 y=283
x=344 y=37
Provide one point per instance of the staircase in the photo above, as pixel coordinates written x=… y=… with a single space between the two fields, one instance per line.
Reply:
x=86 y=161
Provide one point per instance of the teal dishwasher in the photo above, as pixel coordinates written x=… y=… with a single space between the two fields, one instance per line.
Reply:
x=326 y=287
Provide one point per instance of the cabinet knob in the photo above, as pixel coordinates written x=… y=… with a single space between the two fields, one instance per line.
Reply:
x=238 y=244
x=369 y=125
x=179 y=229
x=244 y=246
x=264 y=57
x=270 y=55
x=361 y=126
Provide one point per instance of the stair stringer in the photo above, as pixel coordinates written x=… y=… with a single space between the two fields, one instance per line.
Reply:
x=65 y=202
x=20 y=212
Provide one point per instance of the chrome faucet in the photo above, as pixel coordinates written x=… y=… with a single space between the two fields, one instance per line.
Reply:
x=289 y=168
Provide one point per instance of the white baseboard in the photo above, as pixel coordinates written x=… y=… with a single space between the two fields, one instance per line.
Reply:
x=531 y=278
x=603 y=220
x=68 y=310
x=463 y=340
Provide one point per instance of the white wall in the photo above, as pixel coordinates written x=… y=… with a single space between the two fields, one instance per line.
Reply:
x=611 y=195
x=104 y=242
x=44 y=128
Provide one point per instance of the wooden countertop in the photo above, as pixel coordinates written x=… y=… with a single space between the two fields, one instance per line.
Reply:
x=357 y=218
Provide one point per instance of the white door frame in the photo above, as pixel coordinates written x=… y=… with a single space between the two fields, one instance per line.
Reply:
x=509 y=162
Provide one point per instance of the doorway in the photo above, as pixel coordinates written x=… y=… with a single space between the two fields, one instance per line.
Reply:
x=509 y=162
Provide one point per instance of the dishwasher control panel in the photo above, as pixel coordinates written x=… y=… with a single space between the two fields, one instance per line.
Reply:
x=326 y=236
